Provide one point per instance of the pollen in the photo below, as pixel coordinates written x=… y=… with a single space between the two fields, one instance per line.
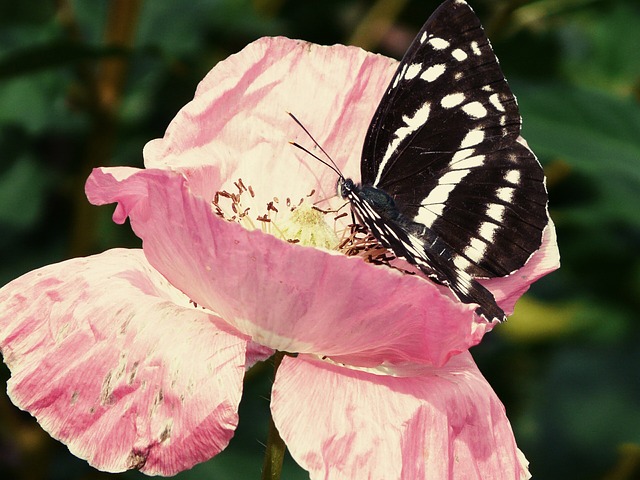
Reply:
x=295 y=222
x=307 y=225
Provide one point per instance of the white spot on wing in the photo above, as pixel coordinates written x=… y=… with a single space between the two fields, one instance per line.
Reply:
x=475 y=109
x=495 y=101
x=438 y=43
x=505 y=194
x=460 y=155
x=428 y=214
x=452 y=100
x=496 y=212
x=461 y=262
x=467 y=163
x=433 y=72
x=418 y=119
x=475 y=48
x=475 y=250
x=473 y=137
x=452 y=177
x=423 y=37
x=439 y=195
x=513 y=176
x=488 y=231
x=412 y=71
x=459 y=54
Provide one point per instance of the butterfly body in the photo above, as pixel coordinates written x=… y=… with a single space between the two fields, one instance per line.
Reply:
x=445 y=183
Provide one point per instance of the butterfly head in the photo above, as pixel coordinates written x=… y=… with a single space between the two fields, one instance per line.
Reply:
x=345 y=187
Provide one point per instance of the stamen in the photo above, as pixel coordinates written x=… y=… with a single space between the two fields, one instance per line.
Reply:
x=302 y=223
x=318 y=209
x=233 y=210
x=357 y=241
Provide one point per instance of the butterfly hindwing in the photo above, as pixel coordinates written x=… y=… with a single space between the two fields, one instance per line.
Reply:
x=408 y=240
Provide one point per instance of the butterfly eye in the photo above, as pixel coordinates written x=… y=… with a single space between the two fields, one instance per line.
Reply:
x=344 y=187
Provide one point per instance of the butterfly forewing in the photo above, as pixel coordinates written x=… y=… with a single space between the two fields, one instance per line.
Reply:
x=443 y=145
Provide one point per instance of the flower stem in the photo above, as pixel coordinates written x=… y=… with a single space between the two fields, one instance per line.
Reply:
x=274 y=454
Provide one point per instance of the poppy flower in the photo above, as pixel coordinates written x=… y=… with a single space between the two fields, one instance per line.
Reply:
x=135 y=358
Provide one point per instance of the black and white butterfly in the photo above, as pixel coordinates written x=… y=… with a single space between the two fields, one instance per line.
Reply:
x=444 y=182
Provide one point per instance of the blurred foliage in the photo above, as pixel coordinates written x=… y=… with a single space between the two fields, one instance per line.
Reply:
x=84 y=84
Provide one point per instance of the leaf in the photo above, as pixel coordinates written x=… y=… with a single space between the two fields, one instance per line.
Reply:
x=596 y=134
x=50 y=55
x=22 y=192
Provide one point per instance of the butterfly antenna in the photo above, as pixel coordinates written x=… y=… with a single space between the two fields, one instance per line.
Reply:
x=333 y=165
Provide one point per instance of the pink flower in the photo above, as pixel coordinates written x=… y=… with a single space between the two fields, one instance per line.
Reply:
x=135 y=358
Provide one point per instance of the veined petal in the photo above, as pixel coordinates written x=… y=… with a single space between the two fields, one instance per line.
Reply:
x=238 y=119
x=286 y=296
x=446 y=423
x=119 y=365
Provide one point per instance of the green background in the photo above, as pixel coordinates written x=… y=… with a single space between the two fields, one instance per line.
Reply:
x=85 y=84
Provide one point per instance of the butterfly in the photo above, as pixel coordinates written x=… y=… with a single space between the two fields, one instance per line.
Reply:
x=445 y=183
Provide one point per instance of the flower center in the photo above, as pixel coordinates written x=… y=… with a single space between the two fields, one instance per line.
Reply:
x=301 y=222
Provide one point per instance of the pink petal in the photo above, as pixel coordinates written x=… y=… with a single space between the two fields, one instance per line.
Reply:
x=446 y=423
x=117 y=364
x=286 y=296
x=238 y=119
